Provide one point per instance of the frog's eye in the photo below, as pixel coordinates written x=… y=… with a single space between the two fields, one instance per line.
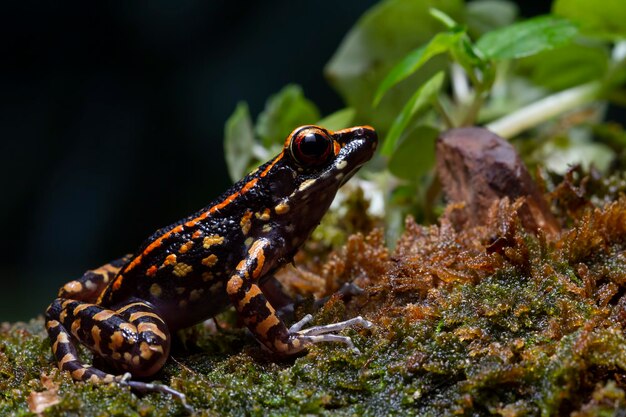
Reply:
x=311 y=147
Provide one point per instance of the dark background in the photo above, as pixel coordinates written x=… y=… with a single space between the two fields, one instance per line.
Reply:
x=112 y=117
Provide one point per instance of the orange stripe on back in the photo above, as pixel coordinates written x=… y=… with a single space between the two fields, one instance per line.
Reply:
x=191 y=223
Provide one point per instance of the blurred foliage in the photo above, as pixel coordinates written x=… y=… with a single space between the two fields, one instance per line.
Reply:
x=413 y=68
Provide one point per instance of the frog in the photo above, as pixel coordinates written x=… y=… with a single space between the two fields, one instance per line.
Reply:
x=126 y=311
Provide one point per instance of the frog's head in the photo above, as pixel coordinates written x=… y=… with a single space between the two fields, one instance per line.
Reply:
x=314 y=163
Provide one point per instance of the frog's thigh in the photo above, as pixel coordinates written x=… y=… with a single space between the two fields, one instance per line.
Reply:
x=132 y=338
x=92 y=283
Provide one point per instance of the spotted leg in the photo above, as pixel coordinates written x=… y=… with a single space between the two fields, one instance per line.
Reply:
x=260 y=316
x=90 y=285
x=132 y=340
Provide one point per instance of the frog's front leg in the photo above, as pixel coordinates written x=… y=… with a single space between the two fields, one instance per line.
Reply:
x=260 y=316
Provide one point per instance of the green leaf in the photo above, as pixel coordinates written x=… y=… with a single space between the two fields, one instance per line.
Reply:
x=338 y=120
x=445 y=20
x=606 y=19
x=425 y=95
x=471 y=59
x=238 y=142
x=527 y=38
x=283 y=112
x=567 y=66
x=487 y=15
x=441 y=43
x=384 y=35
x=416 y=154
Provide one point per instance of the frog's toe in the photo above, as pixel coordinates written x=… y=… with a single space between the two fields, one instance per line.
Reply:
x=326 y=333
x=146 y=387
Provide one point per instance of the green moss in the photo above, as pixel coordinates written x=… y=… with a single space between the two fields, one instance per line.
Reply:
x=534 y=328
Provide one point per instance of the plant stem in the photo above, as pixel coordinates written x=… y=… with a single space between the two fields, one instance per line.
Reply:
x=545 y=109
x=447 y=120
x=474 y=108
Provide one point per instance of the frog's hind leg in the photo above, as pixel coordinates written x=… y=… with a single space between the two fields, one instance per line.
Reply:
x=132 y=339
x=92 y=283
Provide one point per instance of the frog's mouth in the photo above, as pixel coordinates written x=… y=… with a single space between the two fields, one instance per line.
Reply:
x=356 y=149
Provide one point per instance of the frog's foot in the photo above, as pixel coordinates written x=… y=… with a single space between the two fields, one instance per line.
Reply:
x=317 y=334
x=147 y=387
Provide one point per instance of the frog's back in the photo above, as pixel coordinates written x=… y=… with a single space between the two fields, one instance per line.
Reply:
x=187 y=259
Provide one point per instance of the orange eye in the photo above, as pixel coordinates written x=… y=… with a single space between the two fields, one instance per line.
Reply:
x=311 y=147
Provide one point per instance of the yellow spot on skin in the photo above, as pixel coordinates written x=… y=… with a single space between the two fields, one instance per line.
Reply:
x=241 y=266
x=185 y=247
x=118 y=282
x=90 y=285
x=127 y=357
x=128 y=328
x=152 y=271
x=267 y=228
x=263 y=327
x=209 y=241
x=117 y=340
x=52 y=324
x=78 y=373
x=306 y=184
x=151 y=327
x=196 y=234
x=207 y=276
x=94 y=379
x=141 y=314
x=103 y=315
x=181 y=269
x=182 y=304
x=234 y=284
x=126 y=307
x=265 y=216
x=155 y=290
x=116 y=356
x=245 y=222
x=251 y=293
x=67 y=358
x=136 y=360
x=63 y=315
x=180 y=290
x=61 y=338
x=195 y=295
x=281 y=208
x=73 y=287
x=282 y=347
x=257 y=252
x=80 y=308
x=75 y=326
x=210 y=260
x=146 y=352
x=170 y=260
x=248 y=241
x=95 y=335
